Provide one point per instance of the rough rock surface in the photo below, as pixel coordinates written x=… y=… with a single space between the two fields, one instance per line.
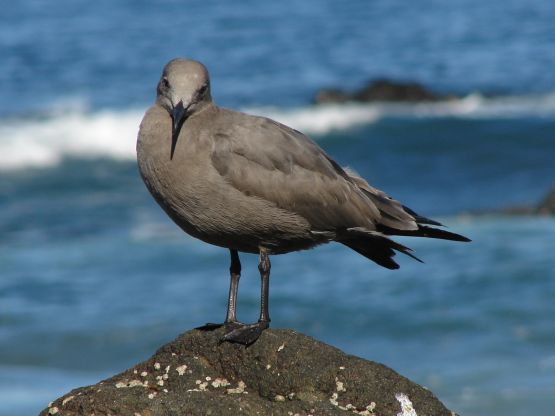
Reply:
x=283 y=373
x=384 y=90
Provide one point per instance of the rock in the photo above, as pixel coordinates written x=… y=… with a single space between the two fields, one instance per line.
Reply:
x=383 y=90
x=545 y=207
x=283 y=373
x=547 y=204
x=386 y=90
x=332 y=95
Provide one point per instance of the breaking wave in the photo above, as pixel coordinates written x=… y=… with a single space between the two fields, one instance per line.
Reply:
x=324 y=118
x=46 y=140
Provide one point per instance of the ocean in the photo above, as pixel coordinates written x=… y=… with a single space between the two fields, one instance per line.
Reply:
x=94 y=277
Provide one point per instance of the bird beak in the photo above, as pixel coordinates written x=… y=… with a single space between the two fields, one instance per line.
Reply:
x=178 y=117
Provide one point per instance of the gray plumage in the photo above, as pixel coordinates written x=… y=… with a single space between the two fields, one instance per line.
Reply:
x=249 y=183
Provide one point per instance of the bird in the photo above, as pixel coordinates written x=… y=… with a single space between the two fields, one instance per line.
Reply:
x=253 y=185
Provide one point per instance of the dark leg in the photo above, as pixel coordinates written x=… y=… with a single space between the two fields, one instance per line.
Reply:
x=247 y=334
x=235 y=273
x=264 y=268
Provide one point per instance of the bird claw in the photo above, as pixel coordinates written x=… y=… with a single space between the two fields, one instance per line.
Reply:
x=245 y=334
x=237 y=332
x=209 y=327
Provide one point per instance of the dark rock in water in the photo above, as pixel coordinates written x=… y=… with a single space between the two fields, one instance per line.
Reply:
x=383 y=90
x=332 y=95
x=283 y=373
x=547 y=205
x=386 y=90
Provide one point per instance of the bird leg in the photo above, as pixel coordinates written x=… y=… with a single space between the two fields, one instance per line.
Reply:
x=247 y=334
x=235 y=275
x=264 y=268
x=231 y=318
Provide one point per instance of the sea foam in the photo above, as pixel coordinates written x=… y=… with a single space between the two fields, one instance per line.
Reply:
x=46 y=141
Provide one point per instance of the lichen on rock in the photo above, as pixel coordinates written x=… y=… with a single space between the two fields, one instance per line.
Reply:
x=283 y=373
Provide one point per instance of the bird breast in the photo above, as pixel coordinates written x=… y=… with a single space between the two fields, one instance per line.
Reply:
x=198 y=199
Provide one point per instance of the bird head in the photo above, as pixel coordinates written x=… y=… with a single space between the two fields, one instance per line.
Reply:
x=184 y=89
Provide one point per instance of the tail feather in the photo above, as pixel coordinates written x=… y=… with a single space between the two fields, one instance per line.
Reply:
x=376 y=247
x=420 y=219
x=424 y=231
x=393 y=219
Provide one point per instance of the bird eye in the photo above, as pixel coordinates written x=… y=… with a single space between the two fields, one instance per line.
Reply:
x=203 y=89
x=165 y=83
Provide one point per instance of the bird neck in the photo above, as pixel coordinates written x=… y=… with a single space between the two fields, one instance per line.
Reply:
x=202 y=106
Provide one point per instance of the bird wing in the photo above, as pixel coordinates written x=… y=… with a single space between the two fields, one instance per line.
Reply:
x=265 y=159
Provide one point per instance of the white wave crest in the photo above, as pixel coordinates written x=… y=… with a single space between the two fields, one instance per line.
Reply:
x=323 y=118
x=47 y=141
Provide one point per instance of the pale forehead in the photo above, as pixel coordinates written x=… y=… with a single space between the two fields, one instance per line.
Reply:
x=186 y=68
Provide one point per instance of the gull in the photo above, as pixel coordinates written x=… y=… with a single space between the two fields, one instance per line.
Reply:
x=253 y=185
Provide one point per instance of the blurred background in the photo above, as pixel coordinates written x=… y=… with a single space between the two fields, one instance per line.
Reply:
x=94 y=277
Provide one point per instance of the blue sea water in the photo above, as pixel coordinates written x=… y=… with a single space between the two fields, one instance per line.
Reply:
x=94 y=277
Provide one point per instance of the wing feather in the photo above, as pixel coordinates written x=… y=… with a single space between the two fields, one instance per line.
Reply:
x=266 y=159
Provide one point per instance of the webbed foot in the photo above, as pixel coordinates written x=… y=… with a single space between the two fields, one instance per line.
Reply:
x=245 y=334
x=209 y=327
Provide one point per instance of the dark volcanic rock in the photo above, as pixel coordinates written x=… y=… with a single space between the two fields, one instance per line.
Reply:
x=547 y=205
x=386 y=90
x=283 y=373
x=383 y=90
x=332 y=95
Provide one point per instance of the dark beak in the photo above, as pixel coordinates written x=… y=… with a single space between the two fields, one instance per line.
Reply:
x=178 y=117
